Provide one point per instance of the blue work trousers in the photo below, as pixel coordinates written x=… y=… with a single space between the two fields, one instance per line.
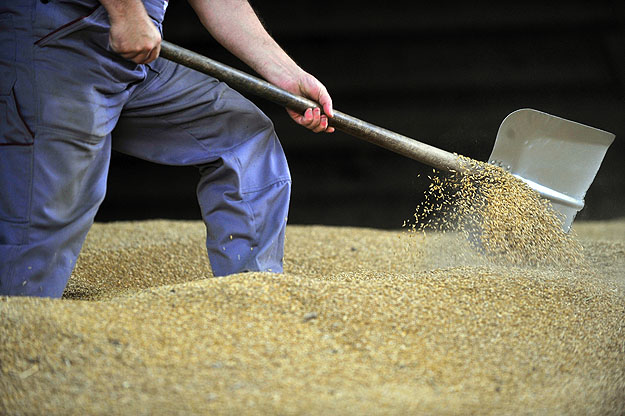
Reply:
x=66 y=100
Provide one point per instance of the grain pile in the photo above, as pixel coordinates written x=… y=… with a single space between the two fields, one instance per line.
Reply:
x=361 y=322
x=496 y=311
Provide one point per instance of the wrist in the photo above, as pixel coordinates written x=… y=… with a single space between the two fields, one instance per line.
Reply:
x=120 y=11
x=279 y=70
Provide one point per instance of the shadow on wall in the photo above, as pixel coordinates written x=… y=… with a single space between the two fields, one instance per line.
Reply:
x=446 y=74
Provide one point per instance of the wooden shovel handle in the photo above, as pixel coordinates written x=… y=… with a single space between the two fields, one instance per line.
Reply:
x=353 y=126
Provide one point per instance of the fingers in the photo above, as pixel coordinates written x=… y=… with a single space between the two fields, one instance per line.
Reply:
x=318 y=121
x=153 y=54
x=312 y=119
x=142 y=54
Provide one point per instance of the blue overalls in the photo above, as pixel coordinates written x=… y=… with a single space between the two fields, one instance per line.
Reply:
x=66 y=100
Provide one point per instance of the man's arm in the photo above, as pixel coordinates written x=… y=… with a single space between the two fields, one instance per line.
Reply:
x=234 y=24
x=133 y=35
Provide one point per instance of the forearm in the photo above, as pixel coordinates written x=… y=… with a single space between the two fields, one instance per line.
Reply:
x=120 y=9
x=234 y=24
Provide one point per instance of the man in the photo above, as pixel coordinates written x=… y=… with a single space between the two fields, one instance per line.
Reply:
x=81 y=77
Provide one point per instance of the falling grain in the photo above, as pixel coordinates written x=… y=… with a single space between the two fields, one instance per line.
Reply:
x=500 y=216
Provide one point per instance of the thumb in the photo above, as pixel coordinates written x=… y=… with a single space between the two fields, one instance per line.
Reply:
x=326 y=101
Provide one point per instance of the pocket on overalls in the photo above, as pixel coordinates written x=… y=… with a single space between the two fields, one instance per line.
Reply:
x=13 y=129
x=72 y=26
x=16 y=140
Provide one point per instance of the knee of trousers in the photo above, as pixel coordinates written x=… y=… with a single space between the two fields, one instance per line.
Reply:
x=255 y=158
x=244 y=198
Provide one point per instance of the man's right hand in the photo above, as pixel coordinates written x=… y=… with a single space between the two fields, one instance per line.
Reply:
x=133 y=35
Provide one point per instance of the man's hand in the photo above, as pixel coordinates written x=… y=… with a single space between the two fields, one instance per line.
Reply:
x=133 y=35
x=308 y=86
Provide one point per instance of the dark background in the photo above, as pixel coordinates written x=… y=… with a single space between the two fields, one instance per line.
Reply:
x=445 y=73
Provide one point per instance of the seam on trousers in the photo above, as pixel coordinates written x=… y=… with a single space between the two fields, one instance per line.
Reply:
x=87 y=138
x=19 y=113
x=282 y=179
x=13 y=221
x=30 y=194
x=16 y=144
x=36 y=106
x=247 y=204
x=10 y=277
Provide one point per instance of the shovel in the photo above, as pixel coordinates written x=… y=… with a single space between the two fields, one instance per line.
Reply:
x=557 y=158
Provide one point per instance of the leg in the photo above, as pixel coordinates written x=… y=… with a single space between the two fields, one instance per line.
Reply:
x=62 y=99
x=182 y=117
x=62 y=190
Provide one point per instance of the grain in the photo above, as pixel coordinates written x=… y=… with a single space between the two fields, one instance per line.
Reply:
x=499 y=215
x=362 y=322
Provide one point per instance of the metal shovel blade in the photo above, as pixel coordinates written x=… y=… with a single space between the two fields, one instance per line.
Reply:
x=558 y=158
